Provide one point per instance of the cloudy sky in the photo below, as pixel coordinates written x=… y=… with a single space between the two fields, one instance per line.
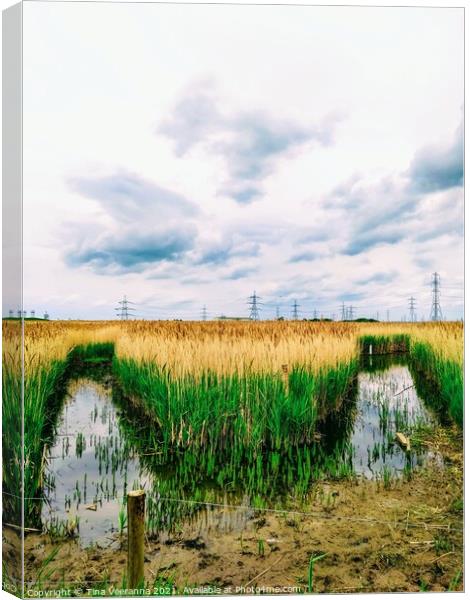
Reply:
x=189 y=155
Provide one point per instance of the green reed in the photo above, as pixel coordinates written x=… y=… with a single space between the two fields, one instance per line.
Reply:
x=186 y=479
x=39 y=404
x=41 y=396
x=253 y=411
x=384 y=344
x=253 y=430
x=439 y=381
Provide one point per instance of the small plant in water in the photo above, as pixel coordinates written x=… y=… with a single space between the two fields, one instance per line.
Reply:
x=384 y=415
x=80 y=444
x=122 y=518
x=407 y=472
x=387 y=477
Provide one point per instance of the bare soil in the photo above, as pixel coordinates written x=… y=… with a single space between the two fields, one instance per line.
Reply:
x=405 y=538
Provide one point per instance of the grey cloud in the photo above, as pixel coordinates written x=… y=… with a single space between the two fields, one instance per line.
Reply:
x=374 y=214
x=221 y=253
x=316 y=235
x=121 y=247
x=240 y=273
x=215 y=255
x=378 y=278
x=353 y=296
x=451 y=228
x=132 y=251
x=394 y=208
x=440 y=216
x=365 y=241
x=249 y=141
x=128 y=197
x=436 y=168
x=245 y=195
x=302 y=257
x=424 y=263
x=194 y=118
x=255 y=139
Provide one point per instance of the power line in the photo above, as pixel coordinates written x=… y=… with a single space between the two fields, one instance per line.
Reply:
x=436 y=311
x=412 y=307
x=253 y=303
x=124 y=311
x=295 y=311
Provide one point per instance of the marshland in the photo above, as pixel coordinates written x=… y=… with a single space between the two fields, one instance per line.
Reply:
x=268 y=452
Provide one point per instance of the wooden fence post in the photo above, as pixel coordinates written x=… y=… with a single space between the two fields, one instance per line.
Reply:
x=136 y=534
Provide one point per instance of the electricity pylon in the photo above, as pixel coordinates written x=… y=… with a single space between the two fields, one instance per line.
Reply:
x=124 y=311
x=412 y=307
x=295 y=311
x=254 y=302
x=436 y=312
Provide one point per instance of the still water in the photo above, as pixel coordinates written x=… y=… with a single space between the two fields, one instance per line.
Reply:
x=95 y=461
x=387 y=403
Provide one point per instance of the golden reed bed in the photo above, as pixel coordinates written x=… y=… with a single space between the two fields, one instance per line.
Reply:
x=223 y=347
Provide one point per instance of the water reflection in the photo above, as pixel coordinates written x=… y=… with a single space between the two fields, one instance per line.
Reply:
x=105 y=446
x=90 y=465
x=388 y=403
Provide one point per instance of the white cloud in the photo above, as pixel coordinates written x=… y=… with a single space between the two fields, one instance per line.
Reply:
x=191 y=173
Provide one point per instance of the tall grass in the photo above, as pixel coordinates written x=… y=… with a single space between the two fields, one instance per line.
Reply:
x=12 y=372
x=253 y=410
x=385 y=344
x=252 y=385
x=42 y=390
x=444 y=380
x=185 y=478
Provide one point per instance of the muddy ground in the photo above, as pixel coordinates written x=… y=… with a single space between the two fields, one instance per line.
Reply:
x=406 y=538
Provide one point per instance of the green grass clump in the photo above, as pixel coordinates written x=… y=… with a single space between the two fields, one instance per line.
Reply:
x=12 y=443
x=384 y=344
x=441 y=381
x=42 y=400
x=255 y=411
x=40 y=394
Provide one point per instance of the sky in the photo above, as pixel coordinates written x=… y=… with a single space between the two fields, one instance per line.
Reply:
x=191 y=155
